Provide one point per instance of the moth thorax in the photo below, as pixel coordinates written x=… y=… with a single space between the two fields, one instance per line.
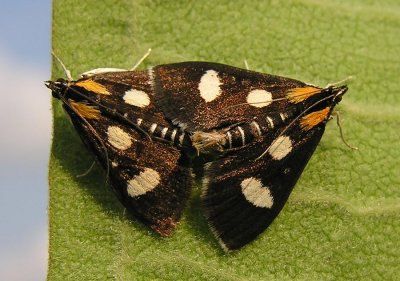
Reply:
x=206 y=142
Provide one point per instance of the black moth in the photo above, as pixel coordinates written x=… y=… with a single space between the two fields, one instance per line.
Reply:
x=145 y=127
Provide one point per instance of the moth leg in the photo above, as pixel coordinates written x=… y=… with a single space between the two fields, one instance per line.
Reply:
x=341 y=131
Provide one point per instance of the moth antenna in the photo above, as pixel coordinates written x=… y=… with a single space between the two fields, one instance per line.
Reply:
x=67 y=73
x=87 y=172
x=341 y=131
x=246 y=64
x=141 y=60
x=341 y=82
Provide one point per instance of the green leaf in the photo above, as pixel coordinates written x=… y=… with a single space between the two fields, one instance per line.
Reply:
x=343 y=218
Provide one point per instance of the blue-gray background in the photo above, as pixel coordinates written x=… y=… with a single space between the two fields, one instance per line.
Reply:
x=25 y=116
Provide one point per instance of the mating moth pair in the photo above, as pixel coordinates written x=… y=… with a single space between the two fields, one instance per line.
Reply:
x=146 y=127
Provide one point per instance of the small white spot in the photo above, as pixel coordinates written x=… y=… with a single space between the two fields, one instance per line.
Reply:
x=139 y=121
x=270 y=122
x=137 y=98
x=259 y=98
x=256 y=128
x=144 y=182
x=182 y=125
x=153 y=128
x=283 y=116
x=209 y=86
x=228 y=134
x=150 y=73
x=118 y=138
x=126 y=115
x=164 y=132
x=173 y=135
x=181 y=138
x=242 y=135
x=114 y=164
x=257 y=194
x=281 y=147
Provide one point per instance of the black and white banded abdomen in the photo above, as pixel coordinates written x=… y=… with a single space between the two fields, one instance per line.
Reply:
x=174 y=135
x=238 y=135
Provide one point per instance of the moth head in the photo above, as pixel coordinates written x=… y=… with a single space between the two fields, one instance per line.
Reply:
x=337 y=92
x=57 y=87
x=320 y=106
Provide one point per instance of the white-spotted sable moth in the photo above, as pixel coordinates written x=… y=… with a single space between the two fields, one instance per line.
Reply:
x=145 y=128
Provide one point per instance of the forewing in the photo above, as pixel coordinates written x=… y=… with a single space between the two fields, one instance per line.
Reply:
x=129 y=93
x=204 y=96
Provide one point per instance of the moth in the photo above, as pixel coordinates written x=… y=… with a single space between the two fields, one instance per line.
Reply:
x=257 y=132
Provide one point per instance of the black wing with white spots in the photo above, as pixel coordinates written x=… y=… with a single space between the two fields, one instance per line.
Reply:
x=245 y=190
x=117 y=121
x=242 y=195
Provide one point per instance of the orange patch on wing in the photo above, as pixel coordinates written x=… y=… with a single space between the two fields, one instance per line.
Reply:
x=311 y=120
x=92 y=86
x=297 y=95
x=85 y=110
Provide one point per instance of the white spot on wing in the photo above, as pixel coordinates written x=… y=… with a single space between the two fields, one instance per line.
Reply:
x=209 y=86
x=118 y=138
x=281 y=147
x=256 y=193
x=144 y=182
x=137 y=98
x=259 y=98
x=150 y=73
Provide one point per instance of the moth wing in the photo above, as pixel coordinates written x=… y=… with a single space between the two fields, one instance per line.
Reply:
x=203 y=95
x=242 y=196
x=149 y=177
x=127 y=92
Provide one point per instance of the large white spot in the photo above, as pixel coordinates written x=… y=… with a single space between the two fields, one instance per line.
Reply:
x=118 y=138
x=259 y=98
x=257 y=194
x=281 y=147
x=137 y=98
x=144 y=182
x=209 y=86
